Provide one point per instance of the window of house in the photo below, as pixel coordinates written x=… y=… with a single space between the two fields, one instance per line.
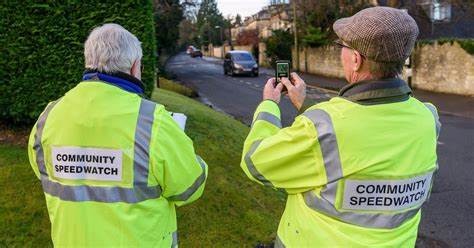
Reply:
x=440 y=11
x=436 y=10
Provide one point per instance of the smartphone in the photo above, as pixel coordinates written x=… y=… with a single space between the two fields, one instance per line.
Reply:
x=282 y=69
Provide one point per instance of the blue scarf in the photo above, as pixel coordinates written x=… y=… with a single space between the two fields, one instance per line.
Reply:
x=121 y=80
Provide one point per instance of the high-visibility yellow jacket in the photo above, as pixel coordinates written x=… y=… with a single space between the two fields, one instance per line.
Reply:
x=356 y=168
x=113 y=167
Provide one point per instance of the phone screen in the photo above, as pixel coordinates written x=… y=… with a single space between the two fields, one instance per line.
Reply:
x=282 y=69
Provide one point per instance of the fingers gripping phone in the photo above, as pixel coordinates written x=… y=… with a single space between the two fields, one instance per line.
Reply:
x=282 y=70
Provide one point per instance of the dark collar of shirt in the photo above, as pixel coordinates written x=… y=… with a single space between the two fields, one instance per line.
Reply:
x=122 y=80
x=376 y=91
x=370 y=92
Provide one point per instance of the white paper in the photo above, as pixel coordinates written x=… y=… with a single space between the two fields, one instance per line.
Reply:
x=180 y=119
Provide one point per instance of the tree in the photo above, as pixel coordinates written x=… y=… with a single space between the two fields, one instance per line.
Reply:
x=190 y=9
x=237 y=20
x=208 y=19
x=168 y=14
x=279 y=46
x=227 y=29
x=315 y=37
x=248 y=38
x=315 y=18
x=188 y=34
x=188 y=31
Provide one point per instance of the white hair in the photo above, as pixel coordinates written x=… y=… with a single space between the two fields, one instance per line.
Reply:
x=111 y=48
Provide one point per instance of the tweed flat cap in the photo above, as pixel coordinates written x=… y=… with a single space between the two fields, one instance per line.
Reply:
x=381 y=34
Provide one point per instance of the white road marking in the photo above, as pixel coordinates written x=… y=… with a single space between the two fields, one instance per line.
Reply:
x=440 y=143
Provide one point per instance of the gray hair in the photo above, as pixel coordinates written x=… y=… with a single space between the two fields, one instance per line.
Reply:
x=111 y=48
x=385 y=69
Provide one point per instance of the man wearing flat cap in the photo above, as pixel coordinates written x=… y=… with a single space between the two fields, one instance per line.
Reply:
x=357 y=168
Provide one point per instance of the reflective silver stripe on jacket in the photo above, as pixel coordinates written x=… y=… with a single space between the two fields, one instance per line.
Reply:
x=37 y=146
x=274 y=120
x=140 y=192
x=141 y=148
x=371 y=220
x=329 y=149
x=251 y=167
x=328 y=143
x=326 y=202
x=436 y=118
x=194 y=187
x=278 y=243
x=174 y=236
x=265 y=116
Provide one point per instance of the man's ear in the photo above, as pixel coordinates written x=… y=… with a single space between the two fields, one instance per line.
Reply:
x=356 y=61
x=135 y=70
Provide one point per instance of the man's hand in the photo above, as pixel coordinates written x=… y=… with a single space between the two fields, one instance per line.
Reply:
x=270 y=92
x=296 y=90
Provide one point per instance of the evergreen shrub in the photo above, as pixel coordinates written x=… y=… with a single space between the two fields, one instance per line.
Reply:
x=41 y=48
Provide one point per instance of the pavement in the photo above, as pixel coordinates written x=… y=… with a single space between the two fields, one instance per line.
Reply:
x=447 y=218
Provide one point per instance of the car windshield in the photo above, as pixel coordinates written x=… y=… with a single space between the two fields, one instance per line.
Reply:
x=242 y=57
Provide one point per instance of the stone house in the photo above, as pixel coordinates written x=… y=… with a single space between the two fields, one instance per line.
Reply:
x=275 y=16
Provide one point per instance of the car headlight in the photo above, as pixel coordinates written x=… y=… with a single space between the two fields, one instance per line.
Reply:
x=255 y=66
x=238 y=66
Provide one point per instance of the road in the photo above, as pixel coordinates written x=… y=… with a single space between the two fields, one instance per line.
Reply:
x=447 y=218
x=237 y=96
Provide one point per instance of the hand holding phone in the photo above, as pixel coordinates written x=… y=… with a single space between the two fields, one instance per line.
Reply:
x=272 y=91
x=296 y=89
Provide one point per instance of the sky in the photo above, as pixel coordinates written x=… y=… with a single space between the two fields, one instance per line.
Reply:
x=242 y=7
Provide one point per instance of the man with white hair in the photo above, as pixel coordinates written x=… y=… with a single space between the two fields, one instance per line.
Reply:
x=357 y=168
x=112 y=164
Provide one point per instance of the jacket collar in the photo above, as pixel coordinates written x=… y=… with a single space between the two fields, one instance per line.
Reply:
x=377 y=91
x=119 y=79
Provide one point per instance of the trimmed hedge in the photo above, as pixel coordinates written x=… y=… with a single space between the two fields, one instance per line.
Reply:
x=41 y=47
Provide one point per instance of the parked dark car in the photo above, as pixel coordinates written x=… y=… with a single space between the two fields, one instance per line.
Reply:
x=194 y=52
x=240 y=62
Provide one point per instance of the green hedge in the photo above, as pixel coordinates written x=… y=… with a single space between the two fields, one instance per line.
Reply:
x=41 y=47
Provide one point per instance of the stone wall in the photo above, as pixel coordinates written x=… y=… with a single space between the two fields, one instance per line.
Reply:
x=262 y=57
x=214 y=51
x=207 y=50
x=322 y=61
x=217 y=52
x=227 y=48
x=244 y=48
x=444 y=68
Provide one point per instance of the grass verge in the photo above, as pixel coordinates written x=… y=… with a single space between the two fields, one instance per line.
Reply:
x=169 y=85
x=233 y=211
